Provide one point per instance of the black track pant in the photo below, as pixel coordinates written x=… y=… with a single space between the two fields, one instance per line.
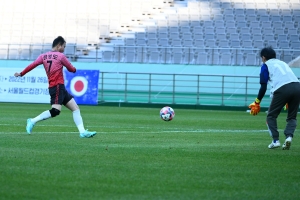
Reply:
x=289 y=93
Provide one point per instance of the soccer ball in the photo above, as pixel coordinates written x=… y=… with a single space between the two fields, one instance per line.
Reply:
x=167 y=113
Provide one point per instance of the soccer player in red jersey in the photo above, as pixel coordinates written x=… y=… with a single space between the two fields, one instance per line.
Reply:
x=53 y=62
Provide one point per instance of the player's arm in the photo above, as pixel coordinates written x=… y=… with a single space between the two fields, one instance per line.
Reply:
x=67 y=64
x=264 y=77
x=30 y=67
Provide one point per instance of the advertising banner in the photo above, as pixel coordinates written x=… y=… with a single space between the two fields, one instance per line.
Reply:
x=31 y=88
x=83 y=85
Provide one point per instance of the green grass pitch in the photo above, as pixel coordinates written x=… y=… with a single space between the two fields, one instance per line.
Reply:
x=201 y=154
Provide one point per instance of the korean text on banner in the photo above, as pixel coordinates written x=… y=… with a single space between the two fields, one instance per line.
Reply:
x=31 y=88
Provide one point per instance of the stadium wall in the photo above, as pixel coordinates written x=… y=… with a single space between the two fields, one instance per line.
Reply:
x=155 y=68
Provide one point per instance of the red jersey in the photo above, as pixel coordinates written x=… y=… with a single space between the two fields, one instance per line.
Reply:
x=53 y=62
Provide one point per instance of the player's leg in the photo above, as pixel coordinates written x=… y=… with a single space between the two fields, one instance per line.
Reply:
x=71 y=104
x=291 y=119
x=56 y=98
x=278 y=101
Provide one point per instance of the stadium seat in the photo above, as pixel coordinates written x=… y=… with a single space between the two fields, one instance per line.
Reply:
x=210 y=43
x=228 y=11
x=107 y=56
x=251 y=59
x=199 y=43
x=188 y=57
x=140 y=35
x=25 y=52
x=221 y=36
x=225 y=58
x=220 y=30
x=176 y=57
x=152 y=42
x=215 y=58
x=279 y=30
x=242 y=24
x=235 y=43
x=233 y=36
x=230 y=24
x=287 y=56
x=197 y=29
x=164 y=42
x=129 y=56
x=293 y=38
x=154 y=57
x=272 y=43
x=219 y=24
x=295 y=44
x=293 y=31
x=141 y=55
x=202 y=58
x=3 y=51
x=186 y=36
x=237 y=57
x=187 y=43
x=258 y=44
x=282 y=37
x=229 y=17
x=266 y=31
x=240 y=18
x=176 y=43
x=245 y=35
x=257 y=36
x=283 y=44
x=254 y=24
x=165 y=55
x=14 y=53
x=246 y=43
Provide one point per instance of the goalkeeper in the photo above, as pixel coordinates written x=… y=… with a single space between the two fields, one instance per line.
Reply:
x=285 y=89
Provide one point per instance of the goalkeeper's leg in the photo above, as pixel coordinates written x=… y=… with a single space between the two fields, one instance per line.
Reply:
x=277 y=103
x=292 y=110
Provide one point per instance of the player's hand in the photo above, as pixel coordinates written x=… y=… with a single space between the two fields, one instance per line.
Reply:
x=286 y=107
x=17 y=74
x=255 y=107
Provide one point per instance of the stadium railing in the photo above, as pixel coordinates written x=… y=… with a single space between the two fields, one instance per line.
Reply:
x=148 y=54
x=181 y=89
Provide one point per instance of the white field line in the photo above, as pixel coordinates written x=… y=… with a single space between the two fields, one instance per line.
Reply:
x=143 y=128
x=151 y=132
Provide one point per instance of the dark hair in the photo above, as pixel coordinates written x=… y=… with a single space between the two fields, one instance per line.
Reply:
x=59 y=40
x=268 y=53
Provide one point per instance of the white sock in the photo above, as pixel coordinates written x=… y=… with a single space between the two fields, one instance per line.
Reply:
x=43 y=116
x=78 y=121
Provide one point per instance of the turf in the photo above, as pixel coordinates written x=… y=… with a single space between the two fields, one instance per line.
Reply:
x=201 y=154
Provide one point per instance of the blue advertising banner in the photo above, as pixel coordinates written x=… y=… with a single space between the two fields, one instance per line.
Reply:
x=83 y=85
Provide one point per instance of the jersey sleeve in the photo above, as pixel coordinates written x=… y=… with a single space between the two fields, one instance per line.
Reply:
x=264 y=74
x=33 y=65
x=67 y=64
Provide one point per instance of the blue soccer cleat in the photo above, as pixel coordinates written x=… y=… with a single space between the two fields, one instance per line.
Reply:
x=87 y=134
x=29 y=126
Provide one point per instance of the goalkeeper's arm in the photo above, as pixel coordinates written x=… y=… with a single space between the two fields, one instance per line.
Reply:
x=262 y=91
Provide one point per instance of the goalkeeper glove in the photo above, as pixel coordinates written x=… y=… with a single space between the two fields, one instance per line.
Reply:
x=255 y=107
x=286 y=107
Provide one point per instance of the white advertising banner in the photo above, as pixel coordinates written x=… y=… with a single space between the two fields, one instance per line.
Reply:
x=31 y=88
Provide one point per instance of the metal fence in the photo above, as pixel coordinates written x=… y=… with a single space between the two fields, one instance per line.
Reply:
x=147 y=54
x=187 y=89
